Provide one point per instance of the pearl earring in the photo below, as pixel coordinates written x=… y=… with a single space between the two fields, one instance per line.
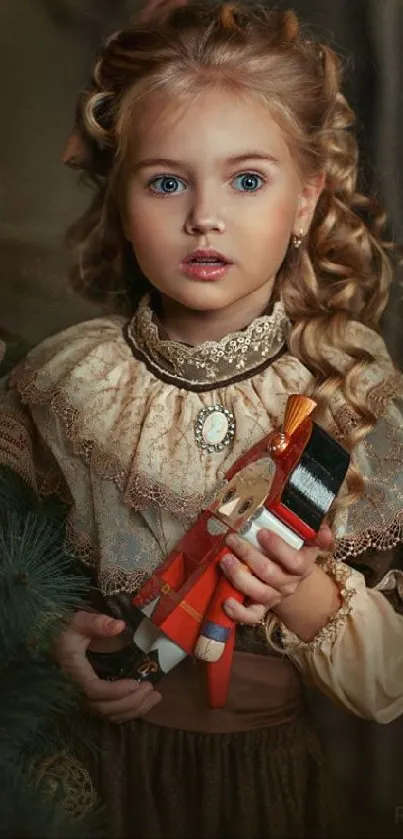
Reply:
x=297 y=239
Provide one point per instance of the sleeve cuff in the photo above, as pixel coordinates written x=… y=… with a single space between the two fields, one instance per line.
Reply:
x=284 y=641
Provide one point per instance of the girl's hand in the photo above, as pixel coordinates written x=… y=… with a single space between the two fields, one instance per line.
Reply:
x=118 y=701
x=277 y=571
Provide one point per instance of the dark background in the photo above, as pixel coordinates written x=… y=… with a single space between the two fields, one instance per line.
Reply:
x=46 y=48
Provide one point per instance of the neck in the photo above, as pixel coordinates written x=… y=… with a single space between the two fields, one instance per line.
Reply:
x=193 y=327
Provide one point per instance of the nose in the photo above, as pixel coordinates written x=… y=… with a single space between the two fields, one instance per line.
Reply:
x=205 y=216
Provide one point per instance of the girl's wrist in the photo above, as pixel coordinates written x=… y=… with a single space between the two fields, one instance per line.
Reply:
x=312 y=606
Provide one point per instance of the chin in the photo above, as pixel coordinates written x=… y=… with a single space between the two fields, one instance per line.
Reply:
x=203 y=302
x=204 y=297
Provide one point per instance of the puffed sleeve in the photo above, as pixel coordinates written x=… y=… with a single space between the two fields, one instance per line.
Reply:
x=22 y=447
x=357 y=658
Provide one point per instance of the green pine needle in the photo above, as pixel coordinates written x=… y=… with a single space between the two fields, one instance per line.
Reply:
x=15 y=494
x=40 y=587
x=37 y=584
x=25 y=714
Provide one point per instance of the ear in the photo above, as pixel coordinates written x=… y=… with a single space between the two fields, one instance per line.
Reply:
x=76 y=152
x=309 y=197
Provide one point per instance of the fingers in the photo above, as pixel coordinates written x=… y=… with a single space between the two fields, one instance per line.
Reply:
x=152 y=699
x=84 y=627
x=94 y=625
x=276 y=568
x=258 y=590
x=118 y=701
x=75 y=663
x=324 y=539
x=274 y=559
x=70 y=647
x=252 y=614
x=124 y=699
x=141 y=699
x=100 y=690
x=292 y=561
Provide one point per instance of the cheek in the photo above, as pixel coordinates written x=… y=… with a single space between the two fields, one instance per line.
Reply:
x=149 y=225
x=273 y=222
x=138 y=225
x=151 y=241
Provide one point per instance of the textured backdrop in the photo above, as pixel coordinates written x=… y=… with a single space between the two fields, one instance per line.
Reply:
x=45 y=50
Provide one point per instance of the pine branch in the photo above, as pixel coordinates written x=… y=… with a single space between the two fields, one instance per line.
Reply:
x=15 y=494
x=37 y=585
x=40 y=586
x=25 y=715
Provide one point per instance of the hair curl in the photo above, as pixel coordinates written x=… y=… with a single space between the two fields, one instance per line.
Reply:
x=342 y=271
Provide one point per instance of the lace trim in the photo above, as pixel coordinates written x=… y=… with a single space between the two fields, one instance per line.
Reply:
x=378 y=399
x=16 y=452
x=136 y=487
x=115 y=580
x=380 y=396
x=16 y=445
x=79 y=543
x=142 y=488
x=281 y=639
x=381 y=538
x=213 y=361
x=111 y=579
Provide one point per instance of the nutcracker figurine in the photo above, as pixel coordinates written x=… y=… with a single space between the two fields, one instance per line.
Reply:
x=286 y=483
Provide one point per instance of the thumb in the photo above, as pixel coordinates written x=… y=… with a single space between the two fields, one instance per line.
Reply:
x=95 y=625
x=324 y=539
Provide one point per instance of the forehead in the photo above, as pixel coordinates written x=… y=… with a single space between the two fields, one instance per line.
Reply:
x=214 y=123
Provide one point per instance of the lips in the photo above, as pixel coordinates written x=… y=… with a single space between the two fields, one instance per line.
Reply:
x=207 y=256
x=205 y=264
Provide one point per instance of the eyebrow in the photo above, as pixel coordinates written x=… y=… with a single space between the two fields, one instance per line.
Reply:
x=240 y=158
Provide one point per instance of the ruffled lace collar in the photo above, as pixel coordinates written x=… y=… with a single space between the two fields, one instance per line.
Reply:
x=214 y=363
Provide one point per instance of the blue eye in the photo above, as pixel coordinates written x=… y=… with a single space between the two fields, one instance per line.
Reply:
x=167 y=185
x=248 y=182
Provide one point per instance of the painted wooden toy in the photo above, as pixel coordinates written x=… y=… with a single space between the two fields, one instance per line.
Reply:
x=286 y=484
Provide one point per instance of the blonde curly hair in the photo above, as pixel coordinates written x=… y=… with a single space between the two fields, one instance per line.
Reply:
x=342 y=271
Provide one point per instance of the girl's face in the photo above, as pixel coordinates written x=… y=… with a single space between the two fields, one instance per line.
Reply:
x=212 y=197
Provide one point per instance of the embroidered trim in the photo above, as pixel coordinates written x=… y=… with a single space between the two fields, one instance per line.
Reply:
x=62 y=774
x=213 y=363
x=160 y=373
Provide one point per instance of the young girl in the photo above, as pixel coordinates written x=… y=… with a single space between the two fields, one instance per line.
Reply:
x=225 y=174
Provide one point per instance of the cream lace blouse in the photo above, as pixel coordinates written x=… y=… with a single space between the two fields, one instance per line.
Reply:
x=114 y=416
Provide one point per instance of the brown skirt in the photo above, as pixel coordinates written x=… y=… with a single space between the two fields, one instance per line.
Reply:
x=161 y=783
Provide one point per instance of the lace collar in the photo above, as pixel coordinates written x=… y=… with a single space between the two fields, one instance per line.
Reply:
x=238 y=356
